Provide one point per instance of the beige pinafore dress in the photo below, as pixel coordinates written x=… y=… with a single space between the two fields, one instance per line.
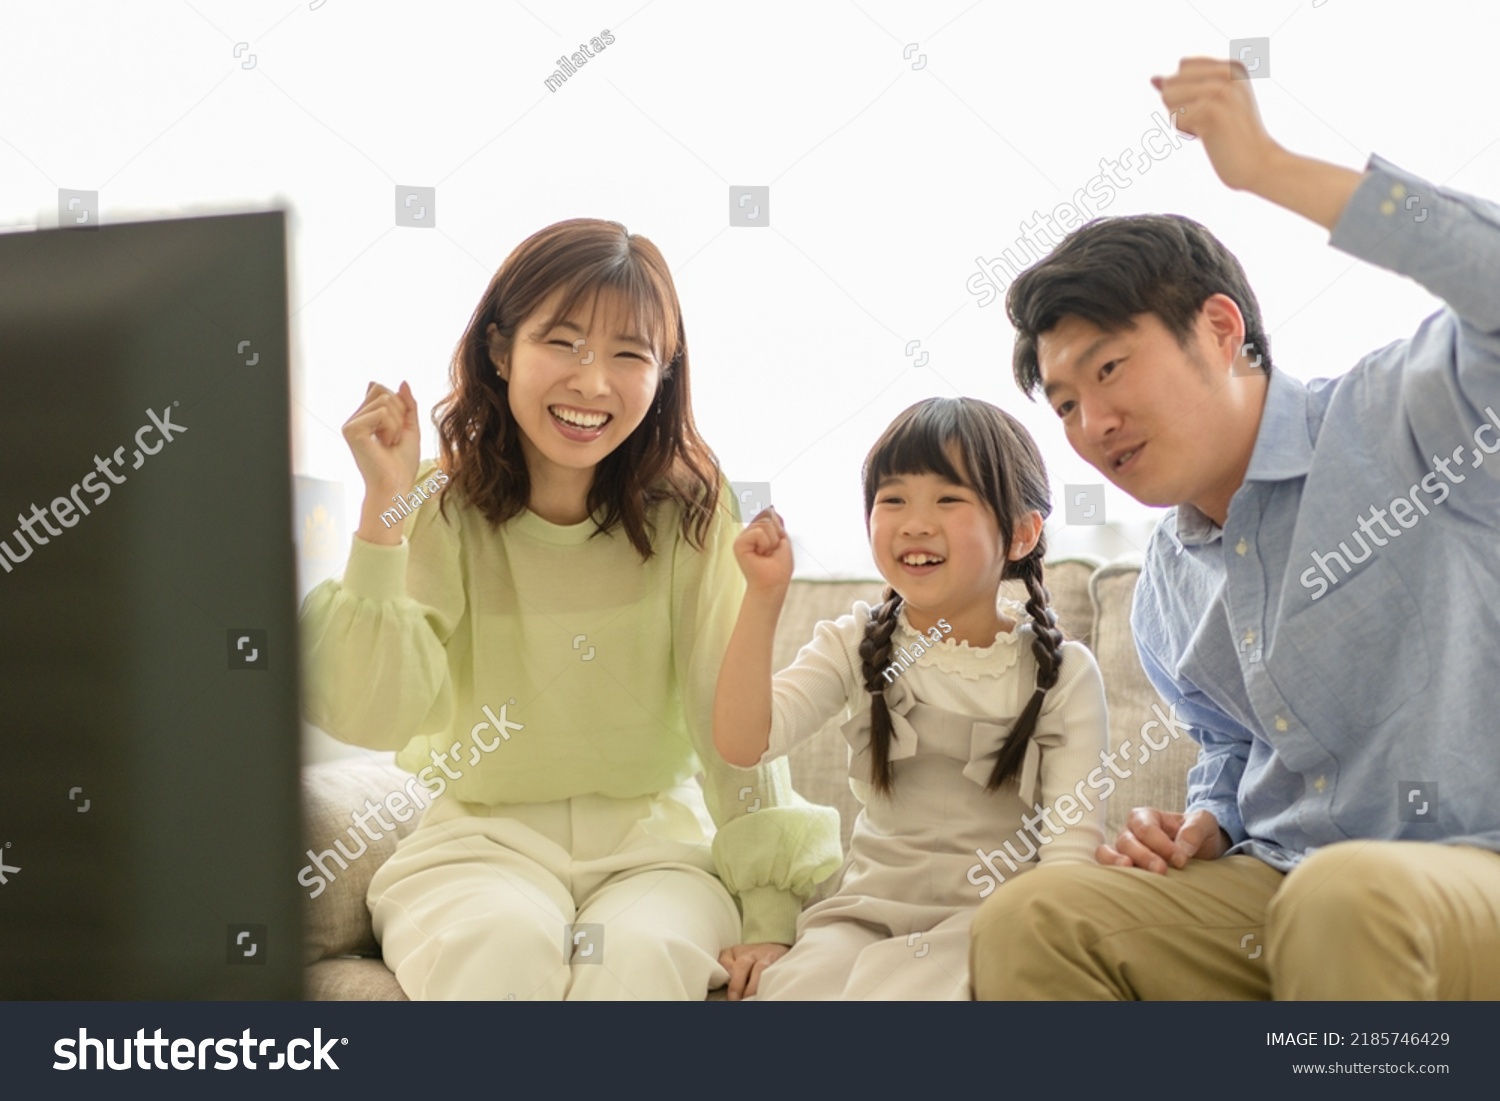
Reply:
x=898 y=925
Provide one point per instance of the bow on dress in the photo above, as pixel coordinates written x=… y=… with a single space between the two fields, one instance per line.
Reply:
x=980 y=747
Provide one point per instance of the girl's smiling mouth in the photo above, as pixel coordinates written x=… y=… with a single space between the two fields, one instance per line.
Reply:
x=919 y=563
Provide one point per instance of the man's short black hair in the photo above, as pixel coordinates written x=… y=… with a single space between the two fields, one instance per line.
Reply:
x=1112 y=269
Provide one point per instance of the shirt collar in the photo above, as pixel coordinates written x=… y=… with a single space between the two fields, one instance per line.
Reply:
x=1282 y=447
x=1282 y=450
x=1191 y=528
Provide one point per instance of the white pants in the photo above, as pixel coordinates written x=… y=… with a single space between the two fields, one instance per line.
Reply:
x=854 y=957
x=477 y=902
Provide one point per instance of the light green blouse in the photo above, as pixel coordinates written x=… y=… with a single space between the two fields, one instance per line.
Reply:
x=594 y=673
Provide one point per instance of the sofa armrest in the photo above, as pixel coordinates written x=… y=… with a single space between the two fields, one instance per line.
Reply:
x=341 y=857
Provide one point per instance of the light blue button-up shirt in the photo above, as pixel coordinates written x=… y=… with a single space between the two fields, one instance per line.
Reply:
x=1335 y=648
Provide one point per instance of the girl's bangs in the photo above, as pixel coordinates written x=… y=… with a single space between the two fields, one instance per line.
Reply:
x=919 y=447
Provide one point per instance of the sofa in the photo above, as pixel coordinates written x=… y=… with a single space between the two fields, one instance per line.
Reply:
x=1092 y=599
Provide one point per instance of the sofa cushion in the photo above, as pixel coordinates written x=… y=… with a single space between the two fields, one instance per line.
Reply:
x=1067 y=581
x=352 y=980
x=1154 y=778
x=336 y=921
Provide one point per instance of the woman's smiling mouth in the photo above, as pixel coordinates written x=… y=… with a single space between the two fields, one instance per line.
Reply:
x=582 y=425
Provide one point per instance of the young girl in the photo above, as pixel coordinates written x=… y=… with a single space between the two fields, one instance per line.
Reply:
x=970 y=721
x=540 y=643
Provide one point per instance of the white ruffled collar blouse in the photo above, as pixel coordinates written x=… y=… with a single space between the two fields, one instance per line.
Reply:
x=959 y=658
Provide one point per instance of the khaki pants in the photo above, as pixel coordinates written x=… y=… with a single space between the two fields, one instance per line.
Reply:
x=1381 y=920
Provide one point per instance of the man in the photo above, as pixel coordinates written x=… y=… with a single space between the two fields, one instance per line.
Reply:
x=1321 y=608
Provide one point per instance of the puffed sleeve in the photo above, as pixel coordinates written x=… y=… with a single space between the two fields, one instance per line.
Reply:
x=374 y=660
x=772 y=847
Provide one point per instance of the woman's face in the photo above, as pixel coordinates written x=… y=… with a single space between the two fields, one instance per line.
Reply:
x=579 y=388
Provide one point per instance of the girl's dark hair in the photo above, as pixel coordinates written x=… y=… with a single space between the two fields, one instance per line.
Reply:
x=1004 y=467
x=1112 y=269
x=663 y=459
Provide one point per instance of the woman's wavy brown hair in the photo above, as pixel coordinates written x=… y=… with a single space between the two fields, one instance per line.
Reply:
x=1000 y=462
x=664 y=459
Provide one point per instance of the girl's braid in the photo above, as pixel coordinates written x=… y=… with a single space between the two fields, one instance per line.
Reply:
x=875 y=654
x=1046 y=646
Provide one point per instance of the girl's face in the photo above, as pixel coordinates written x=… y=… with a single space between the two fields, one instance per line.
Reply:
x=938 y=545
x=580 y=388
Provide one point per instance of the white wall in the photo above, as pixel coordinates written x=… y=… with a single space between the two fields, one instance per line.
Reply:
x=886 y=181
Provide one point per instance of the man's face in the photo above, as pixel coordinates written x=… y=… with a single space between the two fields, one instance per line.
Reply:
x=1163 y=424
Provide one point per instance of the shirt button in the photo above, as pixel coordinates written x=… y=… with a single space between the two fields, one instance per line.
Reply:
x=1281 y=724
x=1241 y=547
x=1320 y=783
x=1249 y=638
x=1398 y=191
x=1387 y=207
